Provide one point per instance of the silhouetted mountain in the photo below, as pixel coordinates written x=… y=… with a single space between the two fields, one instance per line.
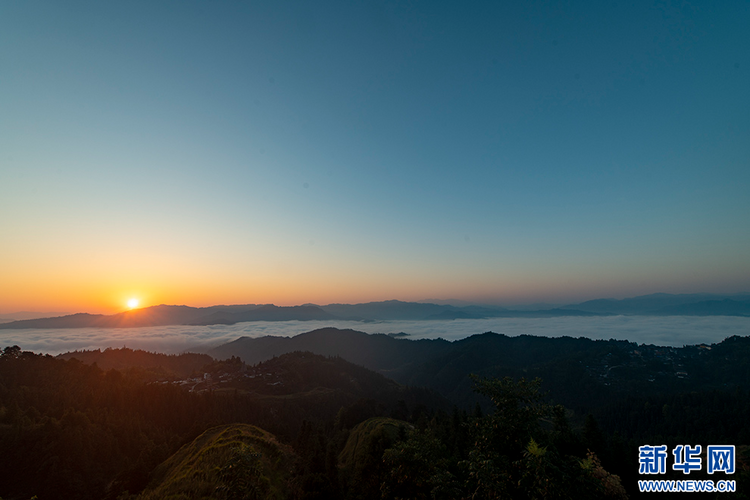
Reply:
x=387 y=310
x=162 y=315
x=551 y=313
x=658 y=304
x=437 y=364
x=580 y=373
x=316 y=387
x=155 y=364
x=379 y=352
x=265 y=313
x=726 y=307
x=22 y=315
x=397 y=310
x=148 y=316
x=78 y=320
x=452 y=315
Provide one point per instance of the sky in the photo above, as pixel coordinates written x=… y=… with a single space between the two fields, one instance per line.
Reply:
x=279 y=152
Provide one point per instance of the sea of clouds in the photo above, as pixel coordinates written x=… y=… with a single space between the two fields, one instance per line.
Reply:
x=659 y=330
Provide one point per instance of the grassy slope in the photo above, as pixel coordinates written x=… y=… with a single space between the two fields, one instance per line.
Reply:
x=194 y=471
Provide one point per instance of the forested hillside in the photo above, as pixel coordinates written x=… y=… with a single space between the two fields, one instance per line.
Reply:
x=74 y=430
x=582 y=374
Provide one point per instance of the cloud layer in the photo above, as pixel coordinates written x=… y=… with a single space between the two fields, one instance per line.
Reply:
x=670 y=331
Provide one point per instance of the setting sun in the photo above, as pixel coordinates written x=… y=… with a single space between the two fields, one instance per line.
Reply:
x=132 y=303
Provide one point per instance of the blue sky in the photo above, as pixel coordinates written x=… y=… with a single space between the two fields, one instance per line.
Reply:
x=291 y=152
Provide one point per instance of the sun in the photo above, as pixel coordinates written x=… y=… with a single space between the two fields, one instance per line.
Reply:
x=132 y=303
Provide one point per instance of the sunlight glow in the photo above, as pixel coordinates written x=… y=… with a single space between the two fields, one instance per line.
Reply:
x=133 y=303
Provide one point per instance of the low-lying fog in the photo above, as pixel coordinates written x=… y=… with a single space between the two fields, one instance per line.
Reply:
x=669 y=331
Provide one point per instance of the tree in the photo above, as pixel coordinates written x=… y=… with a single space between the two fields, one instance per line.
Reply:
x=11 y=352
x=514 y=456
x=418 y=468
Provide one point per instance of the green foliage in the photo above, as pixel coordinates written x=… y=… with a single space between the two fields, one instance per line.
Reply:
x=509 y=453
x=509 y=458
x=419 y=468
x=360 y=462
x=518 y=407
x=242 y=476
x=610 y=484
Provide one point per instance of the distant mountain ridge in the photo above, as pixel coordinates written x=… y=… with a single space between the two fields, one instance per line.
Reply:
x=21 y=315
x=659 y=304
x=664 y=304
x=165 y=315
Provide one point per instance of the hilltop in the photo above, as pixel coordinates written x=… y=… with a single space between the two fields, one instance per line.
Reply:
x=229 y=460
x=151 y=365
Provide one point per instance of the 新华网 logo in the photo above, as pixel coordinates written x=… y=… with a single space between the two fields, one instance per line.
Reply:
x=653 y=459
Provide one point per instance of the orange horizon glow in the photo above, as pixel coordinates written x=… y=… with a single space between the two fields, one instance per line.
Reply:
x=73 y=289
x=98 y=301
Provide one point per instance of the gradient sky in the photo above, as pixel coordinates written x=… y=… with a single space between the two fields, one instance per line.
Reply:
x=289 y=152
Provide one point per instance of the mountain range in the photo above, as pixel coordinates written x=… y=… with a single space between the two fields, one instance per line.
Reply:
x=580 y=373
x=660 y=304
